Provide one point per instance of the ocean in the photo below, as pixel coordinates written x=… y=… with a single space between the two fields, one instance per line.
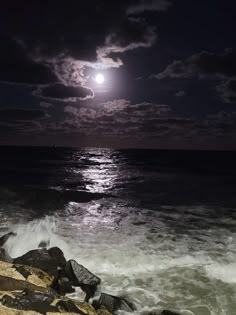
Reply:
x=158 y=227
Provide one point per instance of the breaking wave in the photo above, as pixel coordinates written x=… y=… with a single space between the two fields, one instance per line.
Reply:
x=138 y=255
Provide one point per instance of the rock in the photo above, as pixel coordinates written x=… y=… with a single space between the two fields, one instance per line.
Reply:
x=9 y=311
x=166 y=312
x=82 y=277
x=11 y=284
x=5 y=237
x=68 y=306
x=4 y=255
x=26 y=273
x=44 y=244
x=29 y=300
x=61 y=283
x=114 y=303
x=34 y=275
x=7 y=271
x=57 y=254
x=86 y=308
x=103 y=311
x=47 y=260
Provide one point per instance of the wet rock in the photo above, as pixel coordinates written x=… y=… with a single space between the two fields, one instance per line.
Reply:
x=47 y=260
x=86 y=308
x=7 y=271
x=166 y=312
x=10 y=311
x=57 y=254
x=44 y=244
x=103 y=311
x=5 y=237
x=28 y=300
x=61 y=283
x=32 y=275
x=82 y=277
x=114 y=303
x=4 y=255
x=68 y=306
x=11 y=284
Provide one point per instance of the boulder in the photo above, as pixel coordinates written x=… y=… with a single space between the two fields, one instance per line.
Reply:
x=61 y=283
x=114 y=303
x=10 y=311
x=47 y=260
x=25 y=273
x=82 y=277
x=4 y=255
x=57 y=254
x=11 y=284
x=86 y=308
x=68 y=306
x=103 y=311
x=44 y=244
x=166 y=312
x=28 y=300
x=34 y=275
x=5 y=237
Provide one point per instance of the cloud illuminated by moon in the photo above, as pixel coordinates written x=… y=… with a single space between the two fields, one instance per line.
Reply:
x=99 y=78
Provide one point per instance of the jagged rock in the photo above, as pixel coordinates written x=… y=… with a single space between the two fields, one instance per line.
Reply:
x=5 y=237
x=4 y=255
x=11 y=284
x=86 y=308
x=61 y=283
x=10 y=311
x=82 y=277
x=103 y=311
x=44 y=244
x=29 y=300
x=47 y=260
x=26 y=273
x=114 y=303
x=68 y=306
x=166 y=312
x=57 y=254
x=6 y=270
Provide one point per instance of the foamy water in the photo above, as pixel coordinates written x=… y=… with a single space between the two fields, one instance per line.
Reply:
x=155 y=258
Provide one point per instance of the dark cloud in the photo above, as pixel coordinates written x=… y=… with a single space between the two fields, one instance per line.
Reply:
x=203 y=65
x=45 y=105
x=16 y=114
x=134 y=34
x=48 y=43
x=17 y=67
x=227 y=90
x=64 y=93
x=148 y=5
x=145 y=121
x=180 y=93
x=209 y=66
x=120 y=119
x=123 y=117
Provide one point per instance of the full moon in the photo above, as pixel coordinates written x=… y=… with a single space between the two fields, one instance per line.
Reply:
x=99 y=78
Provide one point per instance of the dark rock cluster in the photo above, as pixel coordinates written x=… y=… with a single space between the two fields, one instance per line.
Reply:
x=38 y=281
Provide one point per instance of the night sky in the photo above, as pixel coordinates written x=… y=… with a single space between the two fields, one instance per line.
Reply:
x=169 y=70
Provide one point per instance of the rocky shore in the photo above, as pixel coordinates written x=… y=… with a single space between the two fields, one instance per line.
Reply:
x=40 y=281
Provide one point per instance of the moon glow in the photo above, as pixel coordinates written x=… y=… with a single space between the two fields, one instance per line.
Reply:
x=99 y=78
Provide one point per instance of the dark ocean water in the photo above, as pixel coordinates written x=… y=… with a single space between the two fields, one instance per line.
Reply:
x=157 y=226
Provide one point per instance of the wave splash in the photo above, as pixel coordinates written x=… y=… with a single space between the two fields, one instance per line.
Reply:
x=151 y=272
x=29 y=235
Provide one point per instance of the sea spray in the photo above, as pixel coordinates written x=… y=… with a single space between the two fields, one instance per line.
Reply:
x=29 y=235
